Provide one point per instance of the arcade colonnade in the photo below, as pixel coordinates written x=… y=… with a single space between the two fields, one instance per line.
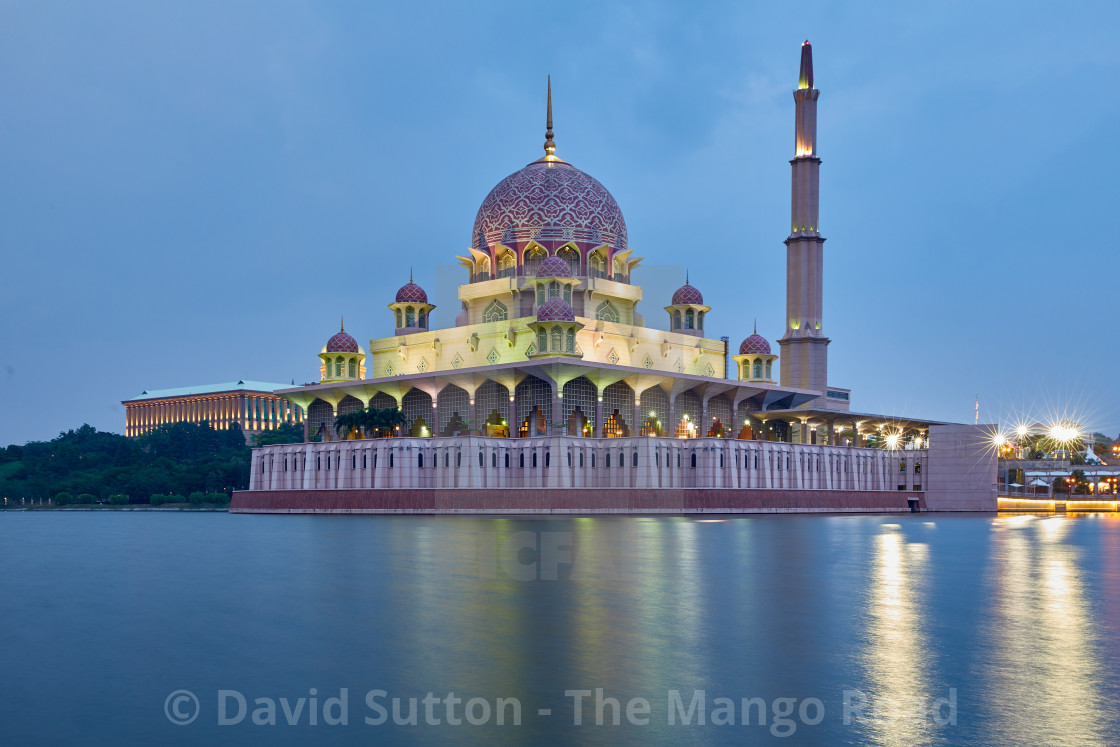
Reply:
x=252 y=412
x=591 y=406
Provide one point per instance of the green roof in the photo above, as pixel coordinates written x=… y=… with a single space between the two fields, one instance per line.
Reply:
x=233 y=386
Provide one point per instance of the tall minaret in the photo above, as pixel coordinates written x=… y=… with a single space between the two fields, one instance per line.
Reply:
x=804 y=347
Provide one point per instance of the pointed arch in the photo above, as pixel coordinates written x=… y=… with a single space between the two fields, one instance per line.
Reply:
x=607 y=312
x=495 y=311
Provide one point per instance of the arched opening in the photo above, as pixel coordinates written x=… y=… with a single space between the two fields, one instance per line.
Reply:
x=757 y=368
x=454 y=405
x=533 y=259
x=570 y=341
x=618 y=403
x=338 y=364
x=567 y=294
x=687 y=407
x=398 y=313
x=596 y=266
x=416 y=405
x=556 y=339
x=579 y=406
x=422 y=319
x=689 y=320
x=534 y=400
x=654 y=409
x=410 y=317
x=353 y=369
x=507 y=265
x=553 y=289
x=676 y=319
x=484 y=268
x=542 y=341
x=769 y=369
x=571 y=256
x=700 y=320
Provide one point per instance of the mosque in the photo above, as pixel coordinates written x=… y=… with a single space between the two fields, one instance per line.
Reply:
x=550 y=373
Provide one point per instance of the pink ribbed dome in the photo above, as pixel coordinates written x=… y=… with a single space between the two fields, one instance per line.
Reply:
x=687 y=294
x=554 y=267
x=342 y=343
x=756 y=344
x=556 y=310
x=555 y=195
x=411 y=293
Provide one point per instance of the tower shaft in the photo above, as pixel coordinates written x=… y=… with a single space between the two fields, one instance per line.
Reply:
x=804 y=346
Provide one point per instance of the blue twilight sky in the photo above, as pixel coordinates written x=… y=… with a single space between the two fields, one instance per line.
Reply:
x=194 y=192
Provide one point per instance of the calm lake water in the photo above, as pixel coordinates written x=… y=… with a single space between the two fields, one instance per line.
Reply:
x=946 y=629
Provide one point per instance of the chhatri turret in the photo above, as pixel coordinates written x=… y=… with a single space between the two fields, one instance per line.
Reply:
x=804 y=346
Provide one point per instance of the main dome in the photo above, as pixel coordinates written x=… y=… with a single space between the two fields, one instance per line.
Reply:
x=549 y=193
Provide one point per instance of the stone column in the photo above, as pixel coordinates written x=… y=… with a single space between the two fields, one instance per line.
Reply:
x=598 y=427
x=472 y=417
x=554 y=429
x=831 y=432
x=704 y=425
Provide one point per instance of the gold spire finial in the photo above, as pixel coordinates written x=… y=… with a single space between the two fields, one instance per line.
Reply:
x=686 y=276
x=549 y=145
x=410 y=274
x=342 y=324
x=756 y=325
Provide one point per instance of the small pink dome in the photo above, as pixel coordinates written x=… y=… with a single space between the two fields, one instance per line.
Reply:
x=756 y=344
x=411 y=293
x=556 y=310
x=554 y=267
x=342 y=343
x=687 y=294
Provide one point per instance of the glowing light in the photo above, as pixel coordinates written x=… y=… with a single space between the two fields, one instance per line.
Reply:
x=892 y=441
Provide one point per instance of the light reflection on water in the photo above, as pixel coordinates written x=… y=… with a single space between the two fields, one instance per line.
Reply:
x=1045 y=646
x=1015 y=613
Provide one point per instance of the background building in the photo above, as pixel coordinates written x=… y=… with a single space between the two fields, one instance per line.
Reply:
x=250 y=404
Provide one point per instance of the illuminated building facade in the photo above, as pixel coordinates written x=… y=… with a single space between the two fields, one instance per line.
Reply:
x=552 y=379
x=250 y=404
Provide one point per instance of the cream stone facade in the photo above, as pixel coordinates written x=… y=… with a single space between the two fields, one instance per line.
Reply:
x=551 y=379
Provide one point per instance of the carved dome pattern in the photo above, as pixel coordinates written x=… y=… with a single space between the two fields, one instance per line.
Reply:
x=554 y=267
x=687 y=294
x=342 y=343
x=756 y=344
x=556 y=310
x=554 y=195
x=411 y=293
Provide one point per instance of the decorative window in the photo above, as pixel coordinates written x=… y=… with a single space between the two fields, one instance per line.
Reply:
x=540 y=295
x=571 y=256
x=689 y=320
x=607 y=312
x=556 y=343
x=533 y=259
x=338 y=362
x=507 y=265
x=553 y=289
x=398 y=318
x=758 y=369
x=423 y=318
x=353 y=369
x=568 y=294
x=570 y=341
x=700 y=320
x=676 y=320
x=493 y=357
x=542 y=340
x=769 y=369
x=495 y=312
x=410 y=317
x=596 y=266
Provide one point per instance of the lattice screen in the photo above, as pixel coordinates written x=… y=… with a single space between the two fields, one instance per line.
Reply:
x=533 y=393
x=417 y=404
x=453 y=399
x=618 y=397
x=579 y=394
x=687 y=403
x=491 y=397
x=654 y=408
x=383 y=401
x=320 y=414
x=720 y=407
